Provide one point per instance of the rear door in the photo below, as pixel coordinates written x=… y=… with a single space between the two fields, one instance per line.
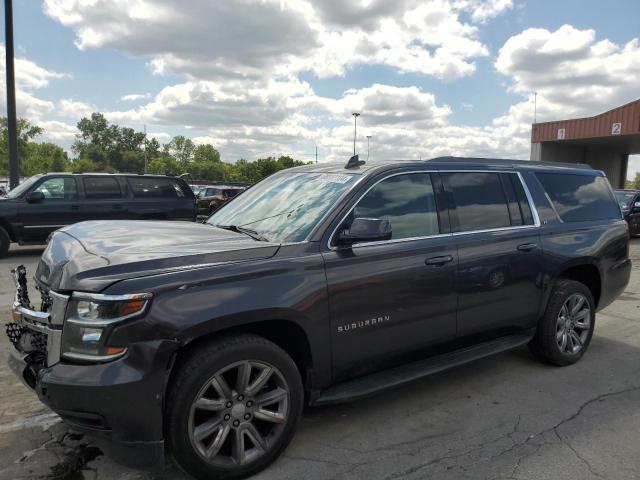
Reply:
x=104 y=198
x=59 y=208
x=499 y=254
x=160 y=198
x=387 y=298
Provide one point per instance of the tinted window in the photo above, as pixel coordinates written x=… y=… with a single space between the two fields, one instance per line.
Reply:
x=156 y=187
x=480 y=201
x=580 y=198
x=407 y=201
x=212 y=192
x=625 y=199
x=101 y=187
x=58 y=188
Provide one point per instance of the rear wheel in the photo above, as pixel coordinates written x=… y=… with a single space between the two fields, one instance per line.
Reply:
x=565 y=330
x=5 y=242
x=233 y=407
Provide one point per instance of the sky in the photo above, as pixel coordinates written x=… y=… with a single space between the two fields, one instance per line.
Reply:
x=280 y=77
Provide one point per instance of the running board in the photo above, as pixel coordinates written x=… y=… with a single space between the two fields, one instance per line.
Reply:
x=393 y=377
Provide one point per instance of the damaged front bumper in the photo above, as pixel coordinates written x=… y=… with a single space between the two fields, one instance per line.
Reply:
x=118 y=404
x=35 y=334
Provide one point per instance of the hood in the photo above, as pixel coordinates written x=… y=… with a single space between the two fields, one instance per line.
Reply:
x=90 y=256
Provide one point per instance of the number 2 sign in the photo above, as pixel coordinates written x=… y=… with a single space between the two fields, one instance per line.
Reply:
x=616 y=128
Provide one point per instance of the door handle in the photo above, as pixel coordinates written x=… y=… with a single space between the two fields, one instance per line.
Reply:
x=438 y=261
x=527 y=247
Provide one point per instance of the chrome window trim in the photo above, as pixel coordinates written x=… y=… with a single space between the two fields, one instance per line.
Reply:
x=532 y=207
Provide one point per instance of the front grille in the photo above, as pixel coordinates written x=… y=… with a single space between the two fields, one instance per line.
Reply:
x=36 y=334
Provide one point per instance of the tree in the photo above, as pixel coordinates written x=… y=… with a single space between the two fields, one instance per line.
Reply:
x=26 y=133
x=43 y=157
x=206 y=153
x=181 y=148
x=635 y=183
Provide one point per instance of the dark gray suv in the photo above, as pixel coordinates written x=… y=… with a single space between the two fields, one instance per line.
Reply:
x=320 y=284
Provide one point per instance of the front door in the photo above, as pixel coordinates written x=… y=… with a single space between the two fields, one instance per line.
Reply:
x=390 y=297
x=59 y=208
x=499 y=285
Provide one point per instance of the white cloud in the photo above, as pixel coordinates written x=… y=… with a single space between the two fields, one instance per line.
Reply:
x=258 y=38
x=31 y=77
x=134 y=97
x=573 y=73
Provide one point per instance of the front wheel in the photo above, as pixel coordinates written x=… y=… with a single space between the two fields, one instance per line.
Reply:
x=565 y=330
x=233 y=407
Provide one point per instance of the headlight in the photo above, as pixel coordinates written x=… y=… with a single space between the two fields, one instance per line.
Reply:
x=89 y=320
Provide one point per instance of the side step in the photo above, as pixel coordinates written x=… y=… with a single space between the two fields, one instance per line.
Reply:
x=393 y=377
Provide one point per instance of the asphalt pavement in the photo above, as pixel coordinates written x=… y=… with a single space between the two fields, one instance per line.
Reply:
x=505 y=417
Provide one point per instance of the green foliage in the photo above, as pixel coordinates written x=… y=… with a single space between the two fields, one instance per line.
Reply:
x=635 y=183
x=104 y=147
x=43 y=157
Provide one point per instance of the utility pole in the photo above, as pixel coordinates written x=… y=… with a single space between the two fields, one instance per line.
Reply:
x=316 y=153
x=145 y=148
x=355 y=127
x=14 y=166
x=535 y=107
x=368 y=139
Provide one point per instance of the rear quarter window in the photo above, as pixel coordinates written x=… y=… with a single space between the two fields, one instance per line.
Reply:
x=156 y=187
x=580 y=198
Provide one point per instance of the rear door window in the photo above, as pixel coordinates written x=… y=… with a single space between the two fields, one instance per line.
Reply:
x=407 y=201
x=580 y=198
x=480 y=200
x=145 y=187
x=101 y=188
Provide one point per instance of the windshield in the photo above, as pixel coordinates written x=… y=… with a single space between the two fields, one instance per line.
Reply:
x=284 y=207
x=625 y=199
x=23 y=187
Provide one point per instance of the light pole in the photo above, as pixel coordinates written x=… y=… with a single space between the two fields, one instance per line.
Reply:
x=14 y=174
x=368 y=139
x=355 y=128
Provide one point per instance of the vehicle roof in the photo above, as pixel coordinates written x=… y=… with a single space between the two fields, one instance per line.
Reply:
x=457 y=163
x=626 y=190
x=106 y=174
x=231 y=187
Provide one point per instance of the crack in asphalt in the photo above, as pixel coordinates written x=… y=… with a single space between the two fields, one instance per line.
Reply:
x=516 y=445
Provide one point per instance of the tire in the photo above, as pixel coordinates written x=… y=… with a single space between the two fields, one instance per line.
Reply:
x=5 y=242
x=255 y=430
x=562 y=337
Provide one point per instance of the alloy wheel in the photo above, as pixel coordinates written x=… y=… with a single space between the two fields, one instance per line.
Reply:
x=573 y=324
x=239 y=413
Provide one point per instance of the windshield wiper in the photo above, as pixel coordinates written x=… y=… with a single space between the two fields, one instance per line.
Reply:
x=247 y=231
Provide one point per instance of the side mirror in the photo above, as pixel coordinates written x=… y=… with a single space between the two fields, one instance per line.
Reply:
x=366 y=230
x=34 y=197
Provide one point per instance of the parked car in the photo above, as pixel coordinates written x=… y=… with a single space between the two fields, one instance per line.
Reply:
x=320 y=284
x=197 y=189
x=212 y=197
x=629 y=201
x=44 y=203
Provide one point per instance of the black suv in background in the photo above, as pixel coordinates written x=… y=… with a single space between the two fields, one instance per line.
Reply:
x=44 y=203
x=629 y=201
x=320 y=284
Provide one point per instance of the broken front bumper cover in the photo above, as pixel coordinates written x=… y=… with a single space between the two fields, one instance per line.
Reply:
x=118 y=404
x=35 y=334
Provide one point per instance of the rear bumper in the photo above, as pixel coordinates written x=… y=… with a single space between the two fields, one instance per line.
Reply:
x=119 y=405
